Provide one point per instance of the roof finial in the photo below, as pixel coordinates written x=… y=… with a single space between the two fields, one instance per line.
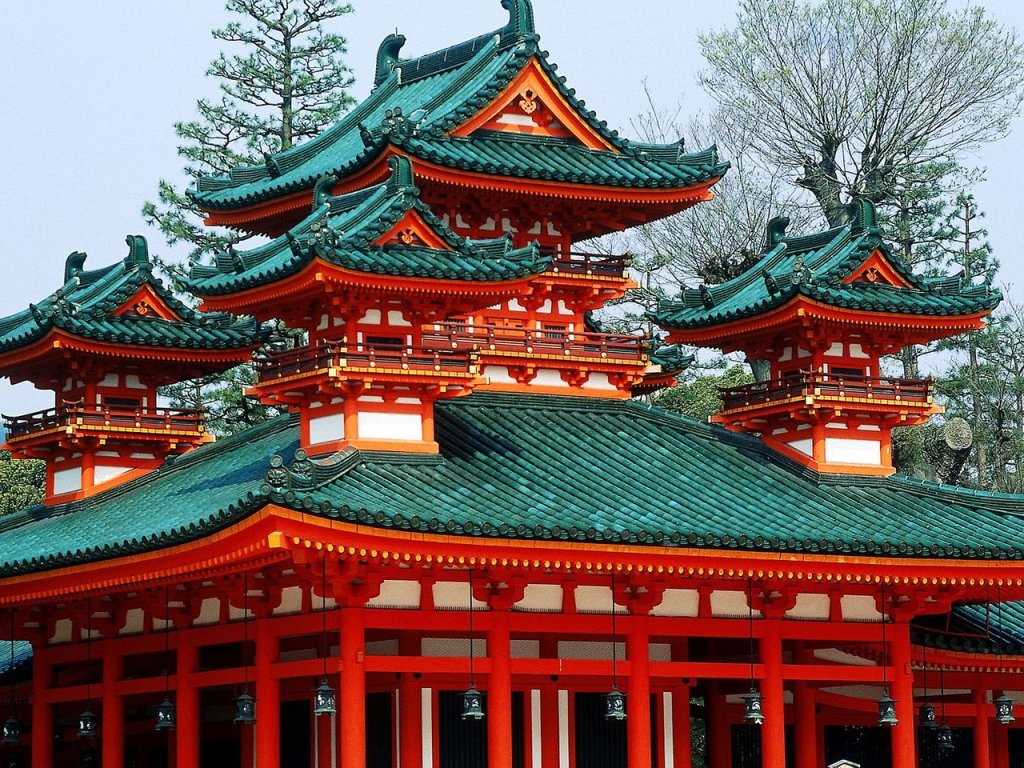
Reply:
x=862 y=214
x=776 y=231
x=402 y=176
x=73 y=265
x=520 y=17
x=323 y=188
x=138 y=251
x=387 y=56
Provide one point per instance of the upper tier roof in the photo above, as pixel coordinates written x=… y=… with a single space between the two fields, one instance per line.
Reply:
x=532 y=467
x=825 y=268
x=352 y=232
x=125 y=304
x=417 y=103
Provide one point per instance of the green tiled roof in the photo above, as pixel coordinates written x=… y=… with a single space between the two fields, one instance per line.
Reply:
x=975 y=628
x=342 y=230
x=815 y=266
x=417 y=102
x=533 y=467
x=84 y=304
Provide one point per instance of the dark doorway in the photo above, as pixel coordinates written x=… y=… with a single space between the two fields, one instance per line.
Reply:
x=463 y=743
x=746 y=746
x=930 y=756
x=869 y=746
x=379 y=730
x=296 y=734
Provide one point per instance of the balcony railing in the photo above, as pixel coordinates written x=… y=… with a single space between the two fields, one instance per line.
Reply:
x=536 y=341
x=828 y=385
x=578 y=263
x=326 y=355
x=76 y=415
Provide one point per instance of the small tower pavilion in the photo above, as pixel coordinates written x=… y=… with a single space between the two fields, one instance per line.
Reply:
x=103 y=342
x=502 y=147
x=821 y=311
x=361 y=275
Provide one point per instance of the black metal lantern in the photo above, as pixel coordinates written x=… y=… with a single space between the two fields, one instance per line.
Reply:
x=12 y=731
x=753 y=713
x=472 y=705
x=324 y=699
x=245 y=708
x=887 y=709
x=614 y=704
x=926 y=716
x=87 y=724
x=165 y=715
x=1004 y=710
x=944 y=739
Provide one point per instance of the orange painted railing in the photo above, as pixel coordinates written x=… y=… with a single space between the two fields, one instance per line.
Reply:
x=818 y=384
x=337 y=354
x=552 y=342
x=80 y=415
x=589 y=263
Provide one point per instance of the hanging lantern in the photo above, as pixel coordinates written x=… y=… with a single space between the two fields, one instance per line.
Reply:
x=87 y=724
x=614 y=705
x=472 y=705
x=753 y=713
x=887 y=709
x=926 y=716
x=323 y=699
x=1004 y=710
x=944 y=739
x=165 y=715
x=245 y=708
x=12 y=731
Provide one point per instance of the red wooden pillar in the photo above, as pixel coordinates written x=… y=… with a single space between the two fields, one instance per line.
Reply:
x=638 y=709
x=352 y=703
x=904 y=743
x=186 y=730
x=549 y=709
x=112 y=719
x=773 y=731
x=42 y=712
x=499 y=690
x=682 y=737
x=805 y=718
x=1001 y=748
x=719 y=729
x=410 y=709
x=268 y=696
x=982 y=751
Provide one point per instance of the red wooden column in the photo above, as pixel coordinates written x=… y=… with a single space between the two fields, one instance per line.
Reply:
x=982 y=727
x=186 y=730
x=719 y=736
x=904 y=743
x=773 y=731
x=268 y=697
x=499 y=689
x=804 y=718
x=42 y=712
x=638 y=709
x=1001 y=748
x=112 y=722
x=682 y=737
x=410 y=714
x=352 y=702
x=549 y=709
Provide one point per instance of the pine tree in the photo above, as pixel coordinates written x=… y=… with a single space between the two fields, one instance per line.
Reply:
x=286 y=82
x=21 y=483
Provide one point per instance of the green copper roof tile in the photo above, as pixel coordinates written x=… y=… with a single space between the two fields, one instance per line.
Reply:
x=415 y=105
x=815 y=266
x=342 y=231
x=84 y=305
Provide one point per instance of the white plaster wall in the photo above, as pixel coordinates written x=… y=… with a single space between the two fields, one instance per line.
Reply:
x=678 y=602
x=105 y=472
x=810 y=606
x=842 y=450
x=541 y=597
x=67 y=480
x=326 y=429
x=390 y=426
x=397 y=594
x=805 y=447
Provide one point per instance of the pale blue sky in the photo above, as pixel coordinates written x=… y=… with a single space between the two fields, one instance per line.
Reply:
x=92 y=91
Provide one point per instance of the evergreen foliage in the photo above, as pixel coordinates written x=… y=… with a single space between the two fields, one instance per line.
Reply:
x=21 y=483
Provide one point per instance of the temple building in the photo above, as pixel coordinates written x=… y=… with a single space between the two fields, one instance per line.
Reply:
x=466 y=543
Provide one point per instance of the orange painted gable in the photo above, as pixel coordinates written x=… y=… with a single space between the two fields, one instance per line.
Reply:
x=413 y=230
x=532 y=105
x=145 y=302
x=877 y=270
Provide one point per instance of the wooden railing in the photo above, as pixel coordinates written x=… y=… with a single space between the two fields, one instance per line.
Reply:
x=78 y=414
x=590 y=263
x=540 y=341
x=338 y=354
x=816 y=383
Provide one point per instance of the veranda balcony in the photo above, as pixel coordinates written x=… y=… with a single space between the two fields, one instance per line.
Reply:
x=818 y=385
x=593 y=264
x=80 y=420
x=497 y=341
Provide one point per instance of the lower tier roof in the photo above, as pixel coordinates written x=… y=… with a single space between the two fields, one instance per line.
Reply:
x=532 y=467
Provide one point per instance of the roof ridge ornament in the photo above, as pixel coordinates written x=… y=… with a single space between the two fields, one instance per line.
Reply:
x=74 y=265
x=862 y=214
x=322 y=189
x=387 y=56
x=520 y=21
x=775 y=232
x=770 y=282
x=402 y=175
x=138 y=252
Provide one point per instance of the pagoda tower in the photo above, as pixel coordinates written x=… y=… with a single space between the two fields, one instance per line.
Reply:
x=819 y=313
x=103 y=343
x=502 y=147
x=362 y=275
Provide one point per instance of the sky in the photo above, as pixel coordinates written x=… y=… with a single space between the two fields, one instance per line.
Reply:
x=92 y=92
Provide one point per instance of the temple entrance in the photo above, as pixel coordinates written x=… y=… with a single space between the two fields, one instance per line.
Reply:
x=746 y=746
x=463 y=743
x=868 y=746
